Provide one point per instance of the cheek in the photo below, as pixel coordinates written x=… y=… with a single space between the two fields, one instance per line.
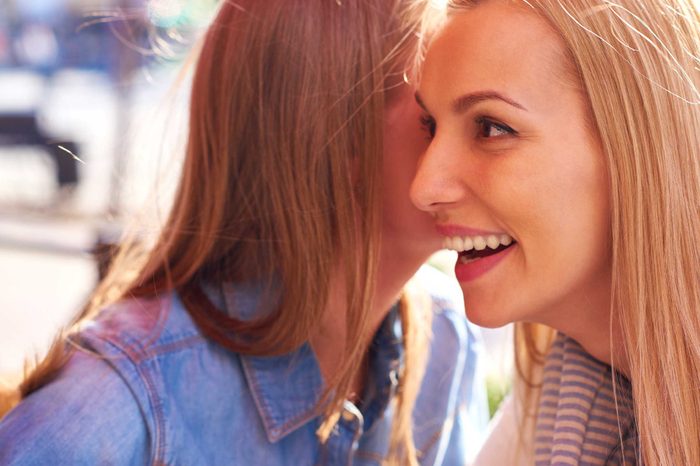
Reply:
x=555 y=203
x=404 y=142
x=581 y=202
x=566 y=227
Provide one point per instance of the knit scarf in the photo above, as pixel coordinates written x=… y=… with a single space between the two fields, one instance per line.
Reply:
x=580 y=420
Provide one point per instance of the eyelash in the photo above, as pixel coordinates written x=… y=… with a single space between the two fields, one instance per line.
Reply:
x=484 y=124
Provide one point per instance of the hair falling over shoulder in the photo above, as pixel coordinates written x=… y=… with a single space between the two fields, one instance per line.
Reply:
x=282 y=165
x=637 y=64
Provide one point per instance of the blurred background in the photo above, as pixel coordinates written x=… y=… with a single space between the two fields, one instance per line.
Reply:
x=93 y=99
x=92 y=106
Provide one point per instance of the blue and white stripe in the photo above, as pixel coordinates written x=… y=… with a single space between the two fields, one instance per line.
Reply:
x=581 y=420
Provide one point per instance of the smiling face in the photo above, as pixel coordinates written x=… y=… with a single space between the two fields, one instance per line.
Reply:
x=514 y=171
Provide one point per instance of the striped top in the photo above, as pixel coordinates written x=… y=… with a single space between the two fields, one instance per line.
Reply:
x=580 y=421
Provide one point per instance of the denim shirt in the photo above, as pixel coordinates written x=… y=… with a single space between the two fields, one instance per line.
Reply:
x=147 y=387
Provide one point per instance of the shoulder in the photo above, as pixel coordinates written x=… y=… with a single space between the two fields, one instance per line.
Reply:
x=442 y=289
x=103 y=403
x=143 y=327
x=451 y=405
x=122 y=394
x=455 y=343
x=147 y=342
x=84 y=416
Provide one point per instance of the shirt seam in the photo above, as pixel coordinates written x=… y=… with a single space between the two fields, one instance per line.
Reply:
x=156 y=405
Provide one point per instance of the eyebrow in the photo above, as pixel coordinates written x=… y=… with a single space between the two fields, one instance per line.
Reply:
x=463 y=103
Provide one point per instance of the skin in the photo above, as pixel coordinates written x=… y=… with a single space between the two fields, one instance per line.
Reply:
x=544 y=183
x=408 y=235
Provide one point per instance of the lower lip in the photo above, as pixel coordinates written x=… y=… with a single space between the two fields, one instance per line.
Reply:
x=473 y=270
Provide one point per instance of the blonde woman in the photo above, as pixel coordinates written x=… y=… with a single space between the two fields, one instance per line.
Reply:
x=564 y=169
x=268 y=325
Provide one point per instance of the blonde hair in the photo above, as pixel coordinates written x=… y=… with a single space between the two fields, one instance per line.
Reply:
x=637 y=63
x=282 y=166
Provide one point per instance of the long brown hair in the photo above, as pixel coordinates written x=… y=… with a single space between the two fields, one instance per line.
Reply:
x=282 y=167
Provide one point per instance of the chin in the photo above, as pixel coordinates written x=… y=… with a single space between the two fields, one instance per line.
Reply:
x=488 y=316
x=486 y=320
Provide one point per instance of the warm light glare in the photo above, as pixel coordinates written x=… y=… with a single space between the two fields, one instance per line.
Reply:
x=439 y=4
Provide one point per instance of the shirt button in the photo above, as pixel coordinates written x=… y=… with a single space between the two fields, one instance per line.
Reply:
x=394 y=377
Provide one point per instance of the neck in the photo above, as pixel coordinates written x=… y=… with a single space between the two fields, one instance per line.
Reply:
x=594 y=328
x=328 y=340
x=606 y=345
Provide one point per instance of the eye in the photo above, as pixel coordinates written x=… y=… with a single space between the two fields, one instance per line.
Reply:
x=429 y=125
x=490 y=129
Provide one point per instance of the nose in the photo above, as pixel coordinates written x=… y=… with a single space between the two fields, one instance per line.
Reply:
x=437 y=184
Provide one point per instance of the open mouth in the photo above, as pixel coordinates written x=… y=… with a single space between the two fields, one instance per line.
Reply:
x=472 y=248
x=469 y=256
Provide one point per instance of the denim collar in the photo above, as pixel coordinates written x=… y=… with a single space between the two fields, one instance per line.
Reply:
x=287 y=388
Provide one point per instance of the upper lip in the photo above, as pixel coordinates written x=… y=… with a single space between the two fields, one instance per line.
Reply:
x=459 y=230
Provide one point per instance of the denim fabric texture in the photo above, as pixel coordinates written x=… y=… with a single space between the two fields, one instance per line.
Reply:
x=147 y=388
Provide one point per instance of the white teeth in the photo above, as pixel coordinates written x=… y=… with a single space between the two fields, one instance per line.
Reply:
x=493 y=242
x=467 y=243
x=447 y=243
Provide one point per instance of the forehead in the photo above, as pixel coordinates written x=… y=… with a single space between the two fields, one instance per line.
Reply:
x=496 y=45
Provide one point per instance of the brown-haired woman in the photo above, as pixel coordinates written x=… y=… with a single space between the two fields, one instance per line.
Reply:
x=268 y=325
